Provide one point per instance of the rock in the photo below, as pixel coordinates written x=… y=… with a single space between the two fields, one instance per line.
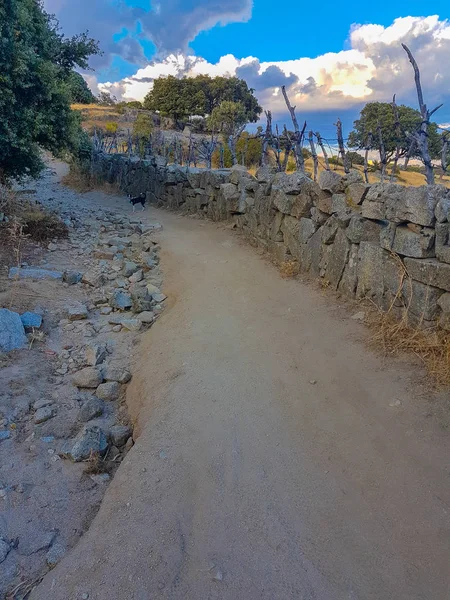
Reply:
x=338 y=203
x=142 y=299
x=422 y=300
x=36 y=541
x=359 y=316
x=89 y=377
x=136 y=277
x=12 y=332
x=94 y=278
x=146 y=317
x=104 y=254
x=119 y=435
x=31 y=320
x=34 y=273
x=52 y=247
x=338 y=259
x=55 y=554
x=118 y=374
x=129 y=444
x=159 y=297
x=119 y=242
x=106 y=310
x=121 y=300
x=131 y=324
x=41 y=403
x=4 y=435
x=355 y=193
x=43 y=414
x=129 y=268
x=108 y=391
x=331 y=181
x=329 y=230
x=90 y=440
x=442 y=210
x=429 y=271
x=292 y=184
x=94 y=354
x=417 y=245
x=117 y=328
x=77 y=312
x=4 y=549
x=363 y=230
x=92 y=408
x=72 y=277
x=415 y=204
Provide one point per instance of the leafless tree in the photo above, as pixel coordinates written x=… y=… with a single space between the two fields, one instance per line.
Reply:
x=232 y=141
x=287 y=148
x=421 y=137
x=324 y=152
x=299 y=134
x=313 y=154
x=340 y=139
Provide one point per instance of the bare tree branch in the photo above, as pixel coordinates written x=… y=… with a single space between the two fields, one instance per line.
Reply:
x=342 y=152
x=369 y=144
x=324 y=152
x=314 y=154
x=298 y=135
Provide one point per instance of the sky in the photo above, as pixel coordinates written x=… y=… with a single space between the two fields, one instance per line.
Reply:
x=333 y=57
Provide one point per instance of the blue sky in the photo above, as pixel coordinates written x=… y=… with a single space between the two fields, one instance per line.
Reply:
x=332 y=57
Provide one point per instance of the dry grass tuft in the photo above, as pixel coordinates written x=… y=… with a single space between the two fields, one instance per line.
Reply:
x=289 y=269
x=95 y=464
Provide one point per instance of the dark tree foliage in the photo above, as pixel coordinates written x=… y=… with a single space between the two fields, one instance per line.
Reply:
x=381 y=112
x=79 y=90
x=36 y=66
x=199 y=96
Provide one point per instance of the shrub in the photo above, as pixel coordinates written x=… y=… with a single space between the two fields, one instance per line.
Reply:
x=111 y=127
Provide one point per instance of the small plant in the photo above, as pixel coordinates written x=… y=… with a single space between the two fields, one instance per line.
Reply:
x=111 y=127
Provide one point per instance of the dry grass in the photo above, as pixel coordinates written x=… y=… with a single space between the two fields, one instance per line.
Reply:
x=82 y=181
x=289 y=269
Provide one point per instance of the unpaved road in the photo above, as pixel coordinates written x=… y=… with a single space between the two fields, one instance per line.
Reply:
x=250 y=481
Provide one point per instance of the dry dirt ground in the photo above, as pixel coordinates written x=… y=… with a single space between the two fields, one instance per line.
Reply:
x=275 y=455
x=46 y=501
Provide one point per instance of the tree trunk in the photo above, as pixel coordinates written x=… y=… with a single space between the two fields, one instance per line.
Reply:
x=369 y=144
x=324 y=152
x=383 y=158
x=298 y=134
x=314 y=155
x=342 y=152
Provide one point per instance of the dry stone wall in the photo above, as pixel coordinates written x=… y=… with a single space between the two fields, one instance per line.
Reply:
x=383 y=241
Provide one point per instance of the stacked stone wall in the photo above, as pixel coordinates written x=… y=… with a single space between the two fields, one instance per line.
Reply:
x=383 y=241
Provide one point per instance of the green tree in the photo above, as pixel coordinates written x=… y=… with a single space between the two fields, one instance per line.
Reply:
x=381 y=112
x=199 y=96
x=169 y=98
x=79 y=90
x=227 y=118
x=36 y=63
x=142 y=129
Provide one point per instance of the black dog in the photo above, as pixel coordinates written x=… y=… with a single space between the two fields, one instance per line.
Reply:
x=141 y=199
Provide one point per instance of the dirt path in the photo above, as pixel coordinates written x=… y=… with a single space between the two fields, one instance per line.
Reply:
x=278 y=457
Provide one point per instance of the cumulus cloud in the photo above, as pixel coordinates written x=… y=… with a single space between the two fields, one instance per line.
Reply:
x=169 y=24
x=373 y=68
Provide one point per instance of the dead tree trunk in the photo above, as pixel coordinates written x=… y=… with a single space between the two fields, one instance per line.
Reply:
x=397 y=132
x=298 y=134
x=383 y=158
x=287 y=150
x=313 y=154
x=324 y=152
x=369 y=144
x=232 y=141
x=422 y=136
x=340 y=139
x=277 y=149
x=267 y=139
x=410 y=152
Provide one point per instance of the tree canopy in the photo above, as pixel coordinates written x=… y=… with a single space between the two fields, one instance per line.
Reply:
x=79 y=90
x=189 y=96
x=228 y=117
x=36 y=70
x=382 y=113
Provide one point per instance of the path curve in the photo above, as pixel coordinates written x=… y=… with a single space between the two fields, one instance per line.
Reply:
x=248 y=480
